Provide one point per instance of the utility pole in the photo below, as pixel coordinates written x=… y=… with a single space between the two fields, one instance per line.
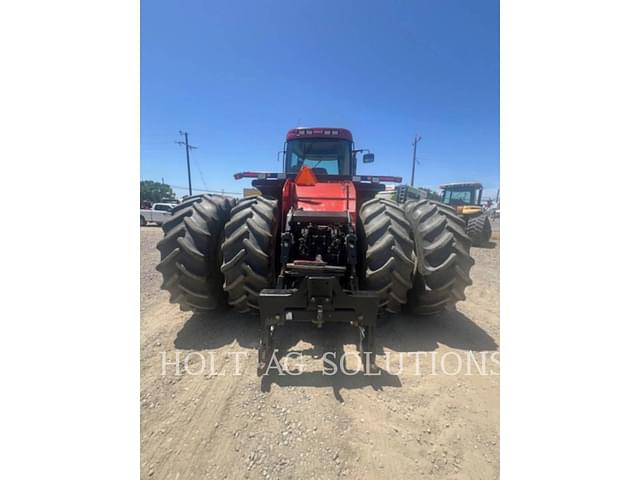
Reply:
x=413 y=168
x=187 y=147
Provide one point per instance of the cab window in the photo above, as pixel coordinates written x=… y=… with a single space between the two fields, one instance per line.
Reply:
x=453 y=197
x=324 y=156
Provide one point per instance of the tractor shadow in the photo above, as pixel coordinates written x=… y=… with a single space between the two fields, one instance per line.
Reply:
x=326 y=345
x=413 y=333
x=207 y=331
x=485 y=245
x=402 y=333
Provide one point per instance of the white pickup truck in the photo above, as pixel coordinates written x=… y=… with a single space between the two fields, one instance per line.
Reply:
x=158 y=213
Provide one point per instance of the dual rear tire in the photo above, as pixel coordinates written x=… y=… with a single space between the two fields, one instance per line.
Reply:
x=218 y=251
x=189 y=252
x=417 y=253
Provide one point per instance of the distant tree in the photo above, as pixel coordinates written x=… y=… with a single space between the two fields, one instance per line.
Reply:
x=155 y=191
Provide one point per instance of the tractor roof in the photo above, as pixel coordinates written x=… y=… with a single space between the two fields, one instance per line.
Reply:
x=460 y=185
x=319 y=132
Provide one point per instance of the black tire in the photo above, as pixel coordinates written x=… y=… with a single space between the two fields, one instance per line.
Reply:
x=190 y=252
x=388 y=252
x=143 y=221
x=248 y=251
x=479 y=229
x=442 y=256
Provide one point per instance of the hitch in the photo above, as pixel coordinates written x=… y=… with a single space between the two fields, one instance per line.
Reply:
x=318 y=299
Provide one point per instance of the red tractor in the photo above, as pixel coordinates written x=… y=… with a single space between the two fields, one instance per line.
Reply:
x=317 y=246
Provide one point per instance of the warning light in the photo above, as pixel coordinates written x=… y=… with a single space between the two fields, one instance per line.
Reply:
x=306 y=177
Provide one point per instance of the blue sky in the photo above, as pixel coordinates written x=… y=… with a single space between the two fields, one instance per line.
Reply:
x=238 y=74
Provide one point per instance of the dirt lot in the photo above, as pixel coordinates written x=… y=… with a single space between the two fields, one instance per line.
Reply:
x=441 y=423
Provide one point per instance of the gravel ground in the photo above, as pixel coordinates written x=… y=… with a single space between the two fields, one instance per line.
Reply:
x=443 y=423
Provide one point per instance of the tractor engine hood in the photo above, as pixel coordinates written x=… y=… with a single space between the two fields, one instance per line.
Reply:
x=469 y=209
x=325 y=197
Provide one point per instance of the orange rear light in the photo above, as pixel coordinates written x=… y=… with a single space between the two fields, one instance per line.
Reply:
x=306 y=177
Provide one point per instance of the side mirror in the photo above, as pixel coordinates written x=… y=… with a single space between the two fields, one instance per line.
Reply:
x=367 y=158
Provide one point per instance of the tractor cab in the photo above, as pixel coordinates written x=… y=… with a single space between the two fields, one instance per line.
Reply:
x=465 y=197
x=468 y=193
x=319 y=165
x=326 y=151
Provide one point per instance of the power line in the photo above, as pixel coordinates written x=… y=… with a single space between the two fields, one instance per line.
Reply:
x=201 y=175
x=187 y=148
x=413 y=167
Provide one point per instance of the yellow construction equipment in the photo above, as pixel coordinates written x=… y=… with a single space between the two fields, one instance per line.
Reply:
x=466 y=198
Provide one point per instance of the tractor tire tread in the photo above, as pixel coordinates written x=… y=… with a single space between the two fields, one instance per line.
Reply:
x=189 y=252
x=443 y=259
x=248 y=250
x=388 y=252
